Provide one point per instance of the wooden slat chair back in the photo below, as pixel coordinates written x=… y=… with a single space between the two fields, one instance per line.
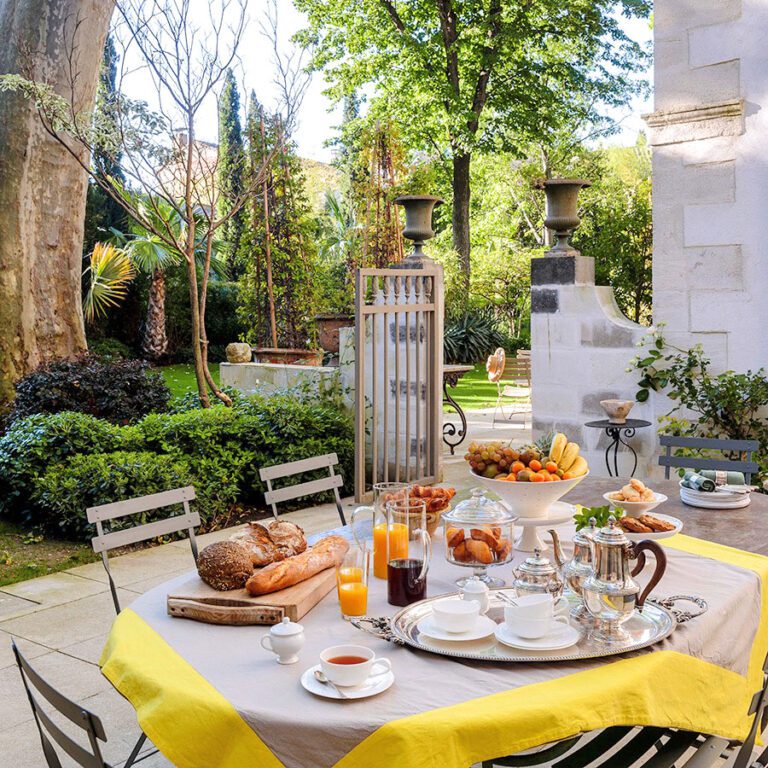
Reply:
x=50 y=732
x=742 y=447
x=517 y=370
x=103 y=542
x=524 y=354
x=333 y=482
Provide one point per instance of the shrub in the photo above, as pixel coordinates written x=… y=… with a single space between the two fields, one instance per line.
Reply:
x=118 y=391
x=37 y=442
x=110 y=349
x=470 y=338
x=67 y=489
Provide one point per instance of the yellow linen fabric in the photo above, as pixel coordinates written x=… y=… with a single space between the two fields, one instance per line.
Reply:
x=195 y=726
x=191 y=723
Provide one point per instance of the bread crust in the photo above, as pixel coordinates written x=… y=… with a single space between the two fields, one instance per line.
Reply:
x=224 y=565
x=327 y=553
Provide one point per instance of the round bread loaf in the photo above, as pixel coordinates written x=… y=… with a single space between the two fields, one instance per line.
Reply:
x=225 y=565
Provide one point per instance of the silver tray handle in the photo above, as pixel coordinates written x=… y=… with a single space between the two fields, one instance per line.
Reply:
x=681 y=616
x=378 y=626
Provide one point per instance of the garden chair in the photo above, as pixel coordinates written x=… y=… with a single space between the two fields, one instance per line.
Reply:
x=746 y=447
x=333 y=482
x=50 y=732
x=103 y=542
x=647 y=747
x=515 y=382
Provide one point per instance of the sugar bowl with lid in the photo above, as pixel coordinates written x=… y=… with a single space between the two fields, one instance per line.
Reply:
x=479 y=535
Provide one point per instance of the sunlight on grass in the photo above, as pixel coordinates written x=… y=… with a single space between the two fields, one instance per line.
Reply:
x=180 y=378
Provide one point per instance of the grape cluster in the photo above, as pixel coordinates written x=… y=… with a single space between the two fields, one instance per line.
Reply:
x=491 y=458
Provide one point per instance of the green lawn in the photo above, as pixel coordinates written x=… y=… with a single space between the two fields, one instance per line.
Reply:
x=474 y=391
x=181 y=378
x=24 y=555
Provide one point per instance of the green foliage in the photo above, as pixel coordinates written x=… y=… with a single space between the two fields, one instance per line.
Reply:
x=119 y=391
x=727 y=405
x=109 y=276
x=34 y=443
x=67 y=489
x=601 y=515
x=110 y=349
x=231 y=164
x=470 y=338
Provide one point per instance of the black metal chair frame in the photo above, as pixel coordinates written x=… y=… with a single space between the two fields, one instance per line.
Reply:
x=748 y=447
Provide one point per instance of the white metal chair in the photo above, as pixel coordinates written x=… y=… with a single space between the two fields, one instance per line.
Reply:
x=333 y=482
x=103 y=542
x=512 y=377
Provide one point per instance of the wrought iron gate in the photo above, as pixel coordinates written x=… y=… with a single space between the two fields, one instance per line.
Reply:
x=398 y=376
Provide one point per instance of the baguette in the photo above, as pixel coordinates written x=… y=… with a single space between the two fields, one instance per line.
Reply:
x=327 y=553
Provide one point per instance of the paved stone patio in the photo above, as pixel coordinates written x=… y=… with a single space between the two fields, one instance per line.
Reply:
x=61 y=623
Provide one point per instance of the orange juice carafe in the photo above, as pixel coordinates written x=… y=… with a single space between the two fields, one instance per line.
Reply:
x=390 y=535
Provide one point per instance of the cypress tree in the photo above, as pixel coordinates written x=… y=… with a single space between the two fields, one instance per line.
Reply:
x=231 y=165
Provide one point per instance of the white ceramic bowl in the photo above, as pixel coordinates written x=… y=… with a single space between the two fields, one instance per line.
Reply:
x=529 y=500
x=456 y=615
x=636 y=508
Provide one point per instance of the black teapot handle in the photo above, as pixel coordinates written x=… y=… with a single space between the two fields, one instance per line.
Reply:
x=638 y=551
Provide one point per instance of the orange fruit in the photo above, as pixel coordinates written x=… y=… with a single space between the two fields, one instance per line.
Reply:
x=551 y=467
x=567 y=476
x=555 y=477
x=535 y=465
x=536 y=478
x=511 y=477
x=517 y=466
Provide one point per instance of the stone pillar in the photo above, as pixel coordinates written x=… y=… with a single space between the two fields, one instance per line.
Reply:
x=710 y=177
x=581 y=344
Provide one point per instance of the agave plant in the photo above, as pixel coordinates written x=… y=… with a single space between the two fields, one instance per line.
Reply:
x=110 y=272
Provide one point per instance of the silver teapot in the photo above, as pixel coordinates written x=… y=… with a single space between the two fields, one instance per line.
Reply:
x=536 y=576
x=576 y=570
x=610 y=593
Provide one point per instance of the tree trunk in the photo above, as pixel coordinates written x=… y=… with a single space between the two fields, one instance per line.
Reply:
x=154 y=345
x=42 y=188
x=461 y=214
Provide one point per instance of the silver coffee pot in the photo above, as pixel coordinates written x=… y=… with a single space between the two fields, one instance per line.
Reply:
x=538 y=575
x=610 y=593
x=576 y=569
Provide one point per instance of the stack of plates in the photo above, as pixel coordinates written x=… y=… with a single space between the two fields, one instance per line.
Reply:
x=714 y=499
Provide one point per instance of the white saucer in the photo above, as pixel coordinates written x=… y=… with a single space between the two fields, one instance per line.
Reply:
x=371 y=687
x=483 y=628
x=561 y=636
x=658 y=534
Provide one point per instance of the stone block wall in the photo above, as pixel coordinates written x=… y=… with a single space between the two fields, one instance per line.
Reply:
x=581 y=345
x=710 y=177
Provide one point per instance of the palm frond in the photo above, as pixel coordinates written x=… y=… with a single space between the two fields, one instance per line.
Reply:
x=110 y=273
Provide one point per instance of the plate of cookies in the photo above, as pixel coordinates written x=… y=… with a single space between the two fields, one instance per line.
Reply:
x=650 y=526
x=635 y=498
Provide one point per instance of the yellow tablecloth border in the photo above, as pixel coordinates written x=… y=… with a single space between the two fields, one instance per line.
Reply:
x=186 y=718
x=196 y=727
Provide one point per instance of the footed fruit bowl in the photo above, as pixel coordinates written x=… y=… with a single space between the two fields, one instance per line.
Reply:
x=529 y=500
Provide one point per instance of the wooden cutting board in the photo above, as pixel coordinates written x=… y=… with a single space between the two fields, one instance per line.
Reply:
x=195 y=600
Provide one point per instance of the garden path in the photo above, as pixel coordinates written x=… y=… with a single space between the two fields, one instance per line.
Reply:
x=61 y=622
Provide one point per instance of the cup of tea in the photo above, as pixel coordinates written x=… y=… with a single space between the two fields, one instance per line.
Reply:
x=348 y=665
x=455 y=615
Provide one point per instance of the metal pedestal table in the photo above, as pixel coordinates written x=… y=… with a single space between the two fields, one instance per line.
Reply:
x=619 y=434
x=451 y=435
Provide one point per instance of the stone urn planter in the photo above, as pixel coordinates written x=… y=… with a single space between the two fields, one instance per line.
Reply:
x=238 y=352
x=328 y=327
x=282 y=356
x=562 y=216
x=418 y=228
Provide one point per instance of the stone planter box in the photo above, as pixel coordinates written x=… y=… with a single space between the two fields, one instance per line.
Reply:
x=281 y=356
x=328 y=327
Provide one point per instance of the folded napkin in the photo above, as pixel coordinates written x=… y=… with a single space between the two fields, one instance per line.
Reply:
x=721 y=477
x=698 y=482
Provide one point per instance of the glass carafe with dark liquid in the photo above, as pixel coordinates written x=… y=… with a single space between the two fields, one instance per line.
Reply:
x=407 y=570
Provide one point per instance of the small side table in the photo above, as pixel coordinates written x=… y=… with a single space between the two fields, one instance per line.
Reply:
x=452 y=436
x=619 y=434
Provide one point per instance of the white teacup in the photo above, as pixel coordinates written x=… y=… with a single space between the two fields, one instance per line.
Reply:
x=532 y=629
x=347 y=665
x=537 y=607
x=455 y=615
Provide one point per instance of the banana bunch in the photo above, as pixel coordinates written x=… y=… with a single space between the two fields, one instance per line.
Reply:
x=566 y=456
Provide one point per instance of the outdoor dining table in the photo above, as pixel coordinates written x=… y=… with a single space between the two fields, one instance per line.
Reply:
x=209 y=696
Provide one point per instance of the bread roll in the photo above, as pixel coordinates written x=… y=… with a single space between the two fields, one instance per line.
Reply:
x=288 y=537
x=327 y=553
x=224 y=565
x=257 y=541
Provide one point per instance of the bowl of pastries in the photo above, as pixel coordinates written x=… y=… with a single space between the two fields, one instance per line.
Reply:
x=438 y=500
x=635 y=498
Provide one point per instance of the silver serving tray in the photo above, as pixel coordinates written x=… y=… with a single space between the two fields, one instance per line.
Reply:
x=646 y=627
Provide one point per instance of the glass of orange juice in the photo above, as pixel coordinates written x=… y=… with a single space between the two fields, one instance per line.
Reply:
x=352 y=582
